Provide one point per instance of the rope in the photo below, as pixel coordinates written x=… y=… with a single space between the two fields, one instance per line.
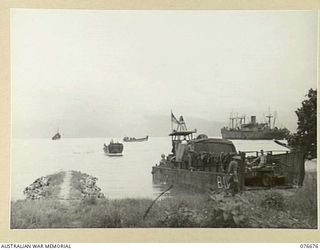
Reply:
x=148 y=210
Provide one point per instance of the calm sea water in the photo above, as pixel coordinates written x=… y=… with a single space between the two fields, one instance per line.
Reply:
x=128 y=176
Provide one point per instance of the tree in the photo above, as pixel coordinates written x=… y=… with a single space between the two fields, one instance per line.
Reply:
x=305 y=138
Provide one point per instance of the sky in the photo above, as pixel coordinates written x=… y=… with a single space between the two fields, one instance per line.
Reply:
x=91 y=73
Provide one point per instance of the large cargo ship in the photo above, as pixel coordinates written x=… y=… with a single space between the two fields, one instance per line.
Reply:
x=253 y=130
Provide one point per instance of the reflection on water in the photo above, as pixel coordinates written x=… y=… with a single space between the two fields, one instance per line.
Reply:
x=128 y=176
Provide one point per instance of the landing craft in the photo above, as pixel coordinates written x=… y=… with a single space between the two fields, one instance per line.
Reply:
x=113 y=149
x=133 y=139
x=204 y=163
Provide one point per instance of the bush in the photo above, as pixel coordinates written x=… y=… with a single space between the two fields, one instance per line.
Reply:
x=179 y=215
x=227 y=213
x=273 y=200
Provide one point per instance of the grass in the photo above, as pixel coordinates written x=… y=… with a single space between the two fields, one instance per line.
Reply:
x=55 y=181
x=75 y=184
x=37 y=214
x=303 y=204
x=294 y=208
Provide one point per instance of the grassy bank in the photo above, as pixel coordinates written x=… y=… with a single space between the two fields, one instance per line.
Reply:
x=55 y=181
x=294 y=208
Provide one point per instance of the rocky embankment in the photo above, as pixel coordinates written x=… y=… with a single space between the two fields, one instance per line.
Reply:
x=38 y=189
x=71 y=185
x=88 y=187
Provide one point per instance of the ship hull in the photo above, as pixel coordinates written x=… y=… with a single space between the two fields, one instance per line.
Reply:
x=253 y=135
x=135 y=139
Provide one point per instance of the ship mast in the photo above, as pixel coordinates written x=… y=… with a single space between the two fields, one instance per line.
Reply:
x=269 y=116
x=182 y=125
x=232 y=121
x=237 y=118
x=181 y=129
x=274 y=119
x=236 y=121
x=242 y=118
x=181 y=133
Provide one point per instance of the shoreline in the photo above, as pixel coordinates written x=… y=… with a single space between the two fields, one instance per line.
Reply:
x=87 y=207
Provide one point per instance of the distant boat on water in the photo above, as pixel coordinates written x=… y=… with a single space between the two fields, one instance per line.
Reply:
x=133 y=139
x=57 y=136
x=253 y=130
x=113 y=149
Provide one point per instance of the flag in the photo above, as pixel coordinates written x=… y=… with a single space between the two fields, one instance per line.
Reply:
x=174 y=119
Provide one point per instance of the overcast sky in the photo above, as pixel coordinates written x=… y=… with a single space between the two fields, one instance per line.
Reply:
x=75 y=67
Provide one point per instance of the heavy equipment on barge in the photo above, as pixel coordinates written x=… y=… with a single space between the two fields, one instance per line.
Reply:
x=204 y=163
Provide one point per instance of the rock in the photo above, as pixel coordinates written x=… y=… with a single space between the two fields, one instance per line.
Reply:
x=88 y=187
x=38 y=189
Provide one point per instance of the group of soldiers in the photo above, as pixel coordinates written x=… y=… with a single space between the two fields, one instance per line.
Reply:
x=227 y=163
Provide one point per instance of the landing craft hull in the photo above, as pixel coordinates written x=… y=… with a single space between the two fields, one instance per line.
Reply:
x=253 y=135
x=106 y=151
x=292 y=174
x=114 y=154
x=197 y=180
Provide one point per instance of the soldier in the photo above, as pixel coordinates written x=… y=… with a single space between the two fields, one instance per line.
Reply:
x=163 y=159
x=260 y=160
x=233 y=171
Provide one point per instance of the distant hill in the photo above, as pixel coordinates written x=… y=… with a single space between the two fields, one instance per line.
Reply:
x=116 y=126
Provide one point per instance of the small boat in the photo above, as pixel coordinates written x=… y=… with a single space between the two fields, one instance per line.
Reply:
x=133 y=139
x=113 y=149
x=57 y=136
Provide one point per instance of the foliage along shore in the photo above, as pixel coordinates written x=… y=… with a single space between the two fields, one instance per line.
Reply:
x=88 y=208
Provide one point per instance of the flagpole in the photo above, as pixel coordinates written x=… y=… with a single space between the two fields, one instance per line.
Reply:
x=171 y=121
